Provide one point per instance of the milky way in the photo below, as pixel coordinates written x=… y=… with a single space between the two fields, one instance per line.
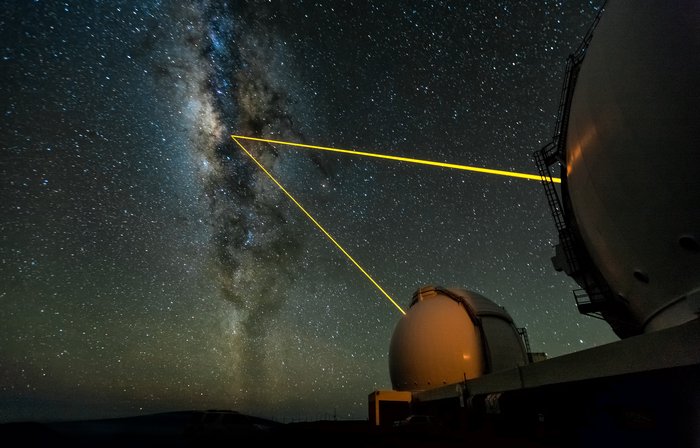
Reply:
x=224 y=71
x=225 y=74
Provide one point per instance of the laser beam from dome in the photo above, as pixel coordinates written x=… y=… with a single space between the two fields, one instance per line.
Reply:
x=320 y=227
x=454 y=166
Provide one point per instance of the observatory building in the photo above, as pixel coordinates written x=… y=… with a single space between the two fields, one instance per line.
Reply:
x=627 y=216
x=447 y=336
x=450 y=335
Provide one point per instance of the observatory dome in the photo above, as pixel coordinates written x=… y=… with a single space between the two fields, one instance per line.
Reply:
x=449 y=335
x=632 y=161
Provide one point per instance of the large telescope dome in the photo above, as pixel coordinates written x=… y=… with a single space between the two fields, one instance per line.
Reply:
x=631 y=180
x=451 y=335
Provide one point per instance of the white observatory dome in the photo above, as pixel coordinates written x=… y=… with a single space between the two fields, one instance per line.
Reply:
x=449 y=335
x=632 y=160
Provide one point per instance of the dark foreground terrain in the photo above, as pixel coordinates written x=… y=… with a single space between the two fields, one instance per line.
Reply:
x=226 y=428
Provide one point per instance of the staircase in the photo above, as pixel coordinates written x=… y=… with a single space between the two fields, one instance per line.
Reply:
x=592 y=298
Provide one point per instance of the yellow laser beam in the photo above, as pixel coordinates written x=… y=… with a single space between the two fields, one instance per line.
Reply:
x=477 y=169
x=325 y=232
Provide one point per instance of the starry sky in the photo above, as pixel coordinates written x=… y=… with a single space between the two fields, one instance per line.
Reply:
x=147 y=265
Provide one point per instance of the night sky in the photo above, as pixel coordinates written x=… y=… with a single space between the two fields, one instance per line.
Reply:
x=147 y=265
